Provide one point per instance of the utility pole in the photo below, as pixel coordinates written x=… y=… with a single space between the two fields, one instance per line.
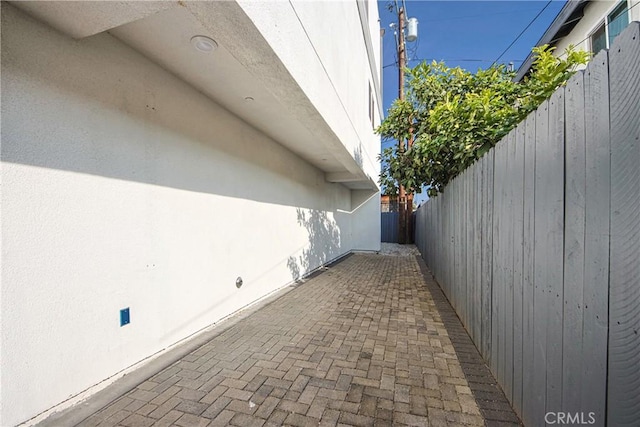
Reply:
x=405 y=201
x=403 y=232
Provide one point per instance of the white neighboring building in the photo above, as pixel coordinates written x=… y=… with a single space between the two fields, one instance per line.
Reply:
x=139 y=172
x=587 y=25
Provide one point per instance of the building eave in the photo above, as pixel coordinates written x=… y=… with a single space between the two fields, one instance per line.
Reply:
x=567 y=19
x=245 y=75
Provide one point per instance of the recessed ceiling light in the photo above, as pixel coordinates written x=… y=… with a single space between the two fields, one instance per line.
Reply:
x=204 y=43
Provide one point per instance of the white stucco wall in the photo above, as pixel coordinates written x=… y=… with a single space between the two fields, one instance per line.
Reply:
x=122 y=186
x=594 y=13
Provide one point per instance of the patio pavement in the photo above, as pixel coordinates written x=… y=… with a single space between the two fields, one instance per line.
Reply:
x=366 y=342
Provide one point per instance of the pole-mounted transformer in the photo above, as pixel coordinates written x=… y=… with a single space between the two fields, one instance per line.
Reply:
x=412 y=29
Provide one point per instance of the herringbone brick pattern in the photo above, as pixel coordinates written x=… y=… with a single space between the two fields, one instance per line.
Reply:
x=361 y=344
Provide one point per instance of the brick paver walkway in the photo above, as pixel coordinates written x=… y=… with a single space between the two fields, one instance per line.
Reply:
x=361 y=344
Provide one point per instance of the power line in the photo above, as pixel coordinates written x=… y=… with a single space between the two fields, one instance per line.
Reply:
x=413 y=51
x=451 y=60
x=523 y=31
x=484 y=15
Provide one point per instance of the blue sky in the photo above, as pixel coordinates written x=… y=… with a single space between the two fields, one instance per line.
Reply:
x=468 y=34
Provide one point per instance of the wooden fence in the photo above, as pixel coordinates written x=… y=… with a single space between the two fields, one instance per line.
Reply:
x=389 y=226
x=537 y=247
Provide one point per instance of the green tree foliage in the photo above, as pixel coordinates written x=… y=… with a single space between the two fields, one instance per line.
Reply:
x=455 y=116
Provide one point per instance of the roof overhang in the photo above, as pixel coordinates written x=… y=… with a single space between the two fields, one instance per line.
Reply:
x=566 y=20
x=244 y=74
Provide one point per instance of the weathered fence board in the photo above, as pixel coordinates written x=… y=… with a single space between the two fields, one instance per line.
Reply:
x=574 y=237
x=477 y=259
x=487 y=253
x=470 y=288
x=554 y=251
x=528 y=269
x=596 y=245
x=540 y=303
x=517 y=174
x=457 y=239
x=624 y=291
x=497 y=299
x=509 y=318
